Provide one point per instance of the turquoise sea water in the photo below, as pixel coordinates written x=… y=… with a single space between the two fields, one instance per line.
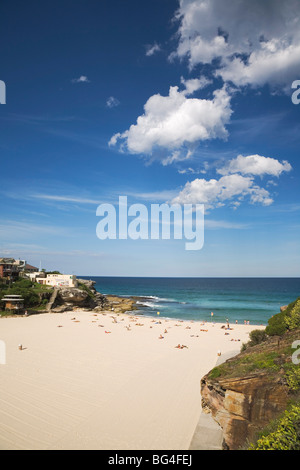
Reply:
x=242 y=299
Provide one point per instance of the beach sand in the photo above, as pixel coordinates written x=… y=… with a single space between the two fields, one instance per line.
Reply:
x=102 y=381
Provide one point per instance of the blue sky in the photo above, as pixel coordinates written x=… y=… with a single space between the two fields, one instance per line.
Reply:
x=162 y=101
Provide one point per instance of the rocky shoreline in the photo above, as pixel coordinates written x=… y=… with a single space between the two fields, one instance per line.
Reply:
x=87 y=298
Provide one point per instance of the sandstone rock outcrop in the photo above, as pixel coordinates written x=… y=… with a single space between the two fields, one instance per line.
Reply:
x=70 y=297
x=283 y=308
x=86 y=297
x=120 y=304
x=248 y=391
x=242 y=406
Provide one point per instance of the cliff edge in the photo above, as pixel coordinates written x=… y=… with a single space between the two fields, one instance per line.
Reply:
x=247 y=392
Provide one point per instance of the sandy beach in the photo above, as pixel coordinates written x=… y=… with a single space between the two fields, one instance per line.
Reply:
x=102 y=381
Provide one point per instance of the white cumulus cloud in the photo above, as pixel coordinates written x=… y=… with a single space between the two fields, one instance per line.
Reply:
x=193 y=84
x=216 y=192
x=256 y=42
x=255 y=165
x=236 y=183
x=169 y=122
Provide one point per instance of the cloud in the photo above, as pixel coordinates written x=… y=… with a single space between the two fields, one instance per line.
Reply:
x=40 y=250
x=152 y=49
x=173 y=121
x=215 y=192
x=112 y=102
x=81 y=79
x=187 y=170
x=194 y=84
x=15 y=230
x=255 y=165
x=78 y=200
x=162 y=196
x=254 y=43
x=224 y=224
x=276 y=66
x=236 y=183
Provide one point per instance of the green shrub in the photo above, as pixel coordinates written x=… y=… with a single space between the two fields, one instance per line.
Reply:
x=284 y=433
x=30 y=297
x=293 y=379
x=215 y=373
x=257 y=337
x=276 y=325
x=289 y=319
x=23 y=284
x=86 y=289
x=292 y=315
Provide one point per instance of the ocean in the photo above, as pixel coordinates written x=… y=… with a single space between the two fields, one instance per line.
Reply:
x=236 y=299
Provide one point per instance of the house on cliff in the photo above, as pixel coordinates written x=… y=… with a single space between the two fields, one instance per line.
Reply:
x=58 y=280
x=9 y=269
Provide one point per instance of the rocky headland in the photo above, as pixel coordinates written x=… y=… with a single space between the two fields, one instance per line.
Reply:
x=86 y=297
x=248 y=392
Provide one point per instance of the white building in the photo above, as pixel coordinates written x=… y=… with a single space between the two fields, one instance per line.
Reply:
x=58 y=280
x=35 y=275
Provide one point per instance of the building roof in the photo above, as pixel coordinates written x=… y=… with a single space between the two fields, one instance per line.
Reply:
x=12 y=298
x=7 y=260
x=28 y=266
